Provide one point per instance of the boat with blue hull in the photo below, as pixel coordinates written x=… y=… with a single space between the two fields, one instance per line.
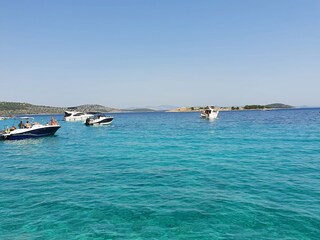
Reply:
x=29 y=130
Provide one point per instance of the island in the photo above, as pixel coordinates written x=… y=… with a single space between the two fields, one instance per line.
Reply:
x=272 y=106
x=19 y=108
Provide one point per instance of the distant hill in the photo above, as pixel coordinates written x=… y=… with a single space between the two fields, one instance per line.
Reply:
x=14 y=108
x=151 y=108
x=138 y=110
x=268 y=106
x=278 y=105
x=162 y=107
x=92 y=108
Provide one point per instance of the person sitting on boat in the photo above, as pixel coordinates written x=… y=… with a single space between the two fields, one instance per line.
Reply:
x=13 y=128
x=27 y=125
x=52 y=122
x=20 y=124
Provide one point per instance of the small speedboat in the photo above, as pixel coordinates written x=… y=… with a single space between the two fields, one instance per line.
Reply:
x=29 y=129
x=209 y=113
x=74 y=116
x=98 y=119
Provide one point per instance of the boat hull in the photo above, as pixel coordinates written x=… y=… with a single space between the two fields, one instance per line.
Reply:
x=105 y=121
x=71 y=116
x=31 y=133
x=209 y=114
x=76 y=119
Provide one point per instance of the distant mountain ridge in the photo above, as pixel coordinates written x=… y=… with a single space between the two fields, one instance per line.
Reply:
x=162 y=107
x=92 y=108
x=13 y=108
x=138 y=110
x=278 y=105
x=268 y=106
x=152 y=108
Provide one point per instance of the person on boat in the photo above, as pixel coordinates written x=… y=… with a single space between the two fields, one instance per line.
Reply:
x=12 y=128
x=20 y=124
x=27 y=125
x=52 y=122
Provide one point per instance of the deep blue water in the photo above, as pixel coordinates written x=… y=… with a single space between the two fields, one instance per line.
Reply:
x=247 y=175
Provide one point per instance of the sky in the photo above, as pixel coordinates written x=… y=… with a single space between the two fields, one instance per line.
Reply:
x=137 y=53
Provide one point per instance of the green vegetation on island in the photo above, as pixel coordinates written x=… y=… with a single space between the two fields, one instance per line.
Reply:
x=249 y=107
x=268 y=106
x=235 y=108
x=278 y=105
x=14 y=108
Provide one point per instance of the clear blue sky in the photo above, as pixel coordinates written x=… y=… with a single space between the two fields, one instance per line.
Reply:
x=160 y=52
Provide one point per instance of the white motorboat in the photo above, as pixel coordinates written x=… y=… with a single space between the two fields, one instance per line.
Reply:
x=29 y=129
x=98 y=119
x=209 y=113
x=4 y=118
x=74 y=116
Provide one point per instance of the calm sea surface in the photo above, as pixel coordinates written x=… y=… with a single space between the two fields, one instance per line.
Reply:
x=247 y=175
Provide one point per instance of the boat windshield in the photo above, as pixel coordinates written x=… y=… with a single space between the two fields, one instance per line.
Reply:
x=98 y=115
x=78 y=114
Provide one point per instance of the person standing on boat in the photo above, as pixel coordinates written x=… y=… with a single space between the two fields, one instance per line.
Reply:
x=20 y=124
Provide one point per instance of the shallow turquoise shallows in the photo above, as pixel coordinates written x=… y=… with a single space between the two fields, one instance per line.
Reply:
x=246 y=175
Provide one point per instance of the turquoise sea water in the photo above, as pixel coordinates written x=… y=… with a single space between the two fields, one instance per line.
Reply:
x=247 y=175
